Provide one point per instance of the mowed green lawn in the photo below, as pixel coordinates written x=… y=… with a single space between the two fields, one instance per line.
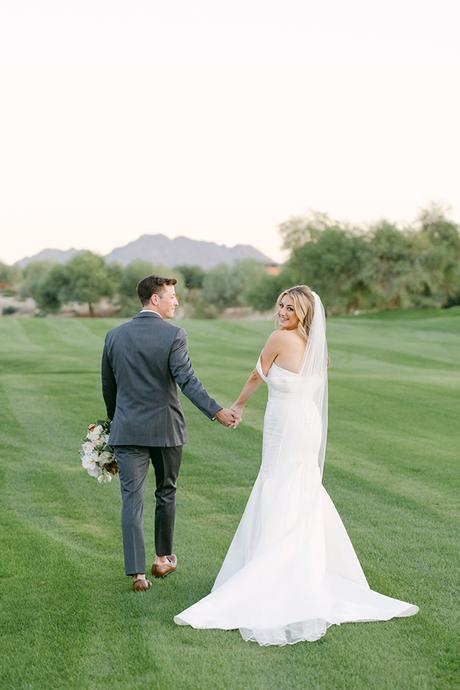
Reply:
x=69 y=619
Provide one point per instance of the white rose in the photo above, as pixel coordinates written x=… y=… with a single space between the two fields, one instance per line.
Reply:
x=88 y=460
x=95 y=434
x=87 y=447
x=94 y=472
x=105 y=457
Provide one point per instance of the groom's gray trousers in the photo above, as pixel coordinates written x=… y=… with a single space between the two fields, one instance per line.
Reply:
x=133 y=464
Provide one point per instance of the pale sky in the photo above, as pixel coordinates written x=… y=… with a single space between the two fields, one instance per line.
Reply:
x=219 y=120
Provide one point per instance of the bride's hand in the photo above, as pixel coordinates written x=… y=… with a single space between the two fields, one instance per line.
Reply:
x=237 y=409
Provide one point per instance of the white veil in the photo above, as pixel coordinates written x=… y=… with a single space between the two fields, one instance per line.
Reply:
x=314 y=368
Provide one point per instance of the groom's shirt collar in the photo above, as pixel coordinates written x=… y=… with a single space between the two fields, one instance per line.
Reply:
x=151 y=311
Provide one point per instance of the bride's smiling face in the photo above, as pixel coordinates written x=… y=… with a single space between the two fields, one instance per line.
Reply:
x=287 y=318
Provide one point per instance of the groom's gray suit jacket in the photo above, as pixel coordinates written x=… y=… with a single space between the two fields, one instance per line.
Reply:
x=143 y=362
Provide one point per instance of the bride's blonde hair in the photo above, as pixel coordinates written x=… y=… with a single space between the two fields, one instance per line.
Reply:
x=304 y=306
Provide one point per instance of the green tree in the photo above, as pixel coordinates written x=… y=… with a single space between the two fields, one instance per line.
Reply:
x=332 y=263
x=226 y=285
x=193 y=276
x=299 y=230
x=391 y=270
x=439 y=250
x=384 y=267
x=34 y=276
x=263 y=291
x=52 y=290
x=9 y=277
x=87 y=280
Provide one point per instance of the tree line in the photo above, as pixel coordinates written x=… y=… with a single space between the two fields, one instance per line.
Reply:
x=87 y=279
x=383 y=266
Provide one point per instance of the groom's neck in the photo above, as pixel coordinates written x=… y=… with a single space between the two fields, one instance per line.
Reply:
x=154 y=311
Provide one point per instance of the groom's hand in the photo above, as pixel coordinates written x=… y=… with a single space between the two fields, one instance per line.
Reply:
x=227 y=418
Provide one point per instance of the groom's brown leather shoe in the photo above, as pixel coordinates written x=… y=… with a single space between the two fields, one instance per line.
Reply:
x=141 y=584
x=163 y=569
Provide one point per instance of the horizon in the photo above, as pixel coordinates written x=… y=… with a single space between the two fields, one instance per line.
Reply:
x=281 y=255
x=156 y=234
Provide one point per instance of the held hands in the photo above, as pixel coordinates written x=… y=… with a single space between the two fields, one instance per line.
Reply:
x=228 y=417
x=237 y=409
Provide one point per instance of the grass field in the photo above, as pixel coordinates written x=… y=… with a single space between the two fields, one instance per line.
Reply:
x=68 y=617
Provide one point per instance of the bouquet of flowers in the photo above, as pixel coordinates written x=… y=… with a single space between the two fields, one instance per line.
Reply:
x=96 y=456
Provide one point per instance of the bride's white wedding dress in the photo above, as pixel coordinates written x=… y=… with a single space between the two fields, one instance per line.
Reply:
x=291 y=570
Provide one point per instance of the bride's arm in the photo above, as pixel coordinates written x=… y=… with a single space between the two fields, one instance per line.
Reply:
x=249 y=388
x=267 y=357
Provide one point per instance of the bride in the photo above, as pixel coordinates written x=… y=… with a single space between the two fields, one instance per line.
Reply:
x=291 y=570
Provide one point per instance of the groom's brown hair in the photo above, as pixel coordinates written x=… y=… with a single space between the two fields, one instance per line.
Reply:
x=152 y=285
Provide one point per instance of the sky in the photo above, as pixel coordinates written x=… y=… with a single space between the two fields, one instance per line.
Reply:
x=221 y=120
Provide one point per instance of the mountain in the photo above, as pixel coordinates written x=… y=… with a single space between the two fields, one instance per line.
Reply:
x=159 y=249
x=59 y=255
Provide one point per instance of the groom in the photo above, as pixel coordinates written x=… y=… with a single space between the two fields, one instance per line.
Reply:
x=143 y=362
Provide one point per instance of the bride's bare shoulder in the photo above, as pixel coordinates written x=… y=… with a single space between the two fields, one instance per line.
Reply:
x=273 y=344
x=276 y=336
x=277 y=342
x=282 y=335
x=277 y=339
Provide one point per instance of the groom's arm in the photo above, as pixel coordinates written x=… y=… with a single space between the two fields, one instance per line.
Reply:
x=109 y=384
x=182 y=372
